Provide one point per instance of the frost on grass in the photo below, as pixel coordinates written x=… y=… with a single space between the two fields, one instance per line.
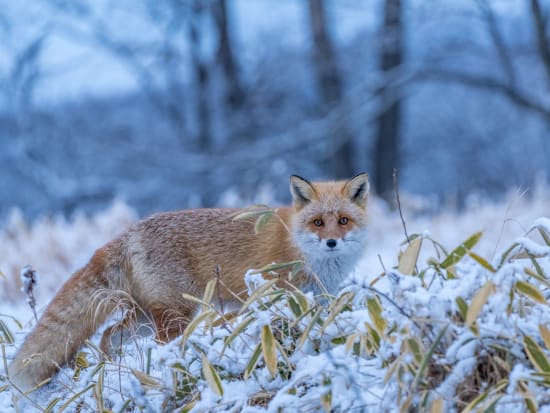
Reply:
x=469 y=329
x=55 y=247
x=470 y=335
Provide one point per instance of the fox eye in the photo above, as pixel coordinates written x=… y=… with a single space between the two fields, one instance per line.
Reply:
x=343 y=221
x=318 y=222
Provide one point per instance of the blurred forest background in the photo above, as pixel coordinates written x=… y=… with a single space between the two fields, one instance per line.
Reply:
x=171 y=104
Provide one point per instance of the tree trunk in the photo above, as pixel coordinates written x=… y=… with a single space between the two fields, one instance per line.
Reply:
x=389 y=122
x=330 y=86
x=200 y=70
x=235 y=96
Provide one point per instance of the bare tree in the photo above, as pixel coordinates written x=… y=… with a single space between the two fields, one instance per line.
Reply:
x=329 y=83
x=201 y=74
x=507 y=85
x=235 y=96
x=386 y=153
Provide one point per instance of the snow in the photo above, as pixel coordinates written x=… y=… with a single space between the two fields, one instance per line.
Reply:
x=532 y=247
x=349 y=375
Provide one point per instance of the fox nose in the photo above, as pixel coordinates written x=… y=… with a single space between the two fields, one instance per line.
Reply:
x=331 y=243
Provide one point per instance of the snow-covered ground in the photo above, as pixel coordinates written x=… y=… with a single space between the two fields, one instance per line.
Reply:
x=56 y=247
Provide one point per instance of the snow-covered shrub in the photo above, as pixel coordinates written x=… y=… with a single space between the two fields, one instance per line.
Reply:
x=455 y=333
x=464 y=329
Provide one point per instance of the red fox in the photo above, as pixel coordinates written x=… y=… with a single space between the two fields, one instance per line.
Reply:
x=163 y=256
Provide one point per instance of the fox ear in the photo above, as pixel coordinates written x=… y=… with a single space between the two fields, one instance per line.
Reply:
x=302 y=191
x=357 y=189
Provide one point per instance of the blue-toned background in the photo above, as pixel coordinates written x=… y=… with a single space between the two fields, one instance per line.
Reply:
x=170 y=104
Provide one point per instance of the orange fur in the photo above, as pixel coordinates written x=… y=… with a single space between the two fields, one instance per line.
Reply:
x=168 y=254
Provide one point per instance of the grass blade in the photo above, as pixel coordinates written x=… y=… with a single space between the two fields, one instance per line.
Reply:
x=478 y=302
x=212 y=377
x=459 y=252
x=269 y=350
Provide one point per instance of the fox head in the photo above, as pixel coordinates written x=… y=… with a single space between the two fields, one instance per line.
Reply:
x=329 y=223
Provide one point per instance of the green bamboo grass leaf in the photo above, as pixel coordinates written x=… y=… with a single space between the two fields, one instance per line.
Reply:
x=530 y=291
x=75 y=397
x=236 y=332
x=481 y=261
x=437 y=406
x=528 y=398
x=545 y=236
x=188 y=407
x=15 y=320
x=506 y=254
x=262 y=221
x=209 y=293
x=212 y=377
x=269 y=350
x=294 y=306
x=253 y=213
x=194 y=324
x=458 y=253
x=148 y=360
x=427 y=358
x=350 y=342
x=301 y=300
x=416 y=349
x=545 y=334
x=478 y=302
x=282 y=353
x=278 y=266
x=6 y=334
x=81 y=360
x=411 y=237
x=537 y=266
x=257 y=294
x=462 y=307
x=98 y=391
x=537 y=276
x=536 y=355
x=51 y=405
x=147 y=380
x=375 y=313
x=200 y=301
x=336 y=308
x=372 y=341
x=308 y=329
x=253 y=360
x=409 y=258
x=531 y=404
x=224 y=318
x=125 y=407
x=501 y=385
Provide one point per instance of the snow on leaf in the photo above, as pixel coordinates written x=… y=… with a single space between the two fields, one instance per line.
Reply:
x=458 y=253
x=541 y=223
x=532 y=247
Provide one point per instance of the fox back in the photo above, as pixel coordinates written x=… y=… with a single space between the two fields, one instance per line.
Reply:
x=161 y=257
